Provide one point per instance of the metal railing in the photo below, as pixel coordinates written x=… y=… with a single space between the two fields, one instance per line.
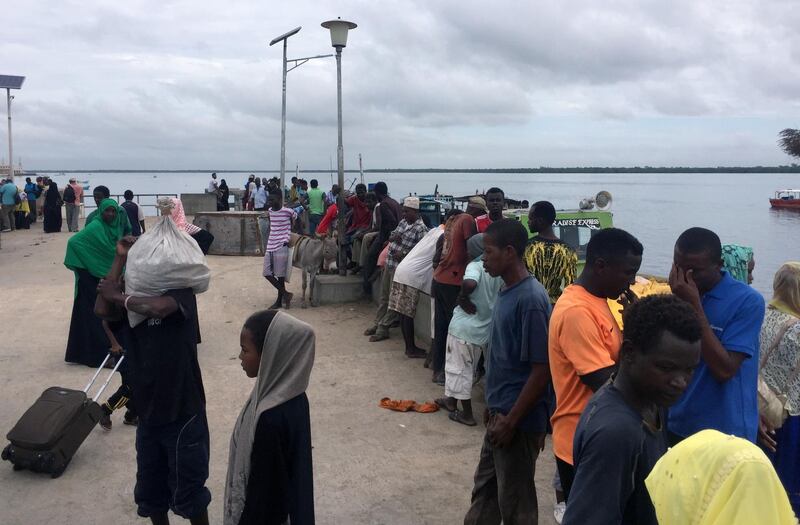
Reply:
x=151 y=199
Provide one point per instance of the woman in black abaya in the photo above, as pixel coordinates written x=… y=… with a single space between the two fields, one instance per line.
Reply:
x=52 y=209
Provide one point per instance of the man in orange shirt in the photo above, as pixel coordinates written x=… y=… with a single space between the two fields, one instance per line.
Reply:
x=584 y=339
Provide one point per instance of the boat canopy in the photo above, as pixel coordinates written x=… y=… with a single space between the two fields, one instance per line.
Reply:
x=787 y=194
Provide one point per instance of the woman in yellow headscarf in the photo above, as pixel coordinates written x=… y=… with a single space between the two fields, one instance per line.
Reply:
x=714 y=479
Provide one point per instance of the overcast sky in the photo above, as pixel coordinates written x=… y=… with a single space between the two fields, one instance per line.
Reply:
x=194 y=84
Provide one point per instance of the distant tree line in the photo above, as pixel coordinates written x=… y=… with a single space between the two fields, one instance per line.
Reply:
x=793 y=168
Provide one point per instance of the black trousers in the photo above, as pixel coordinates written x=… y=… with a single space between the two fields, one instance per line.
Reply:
x=566 y=473
x=444 y=296
x=372 y=261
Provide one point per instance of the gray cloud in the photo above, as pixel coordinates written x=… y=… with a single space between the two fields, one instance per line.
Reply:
x=193 y=83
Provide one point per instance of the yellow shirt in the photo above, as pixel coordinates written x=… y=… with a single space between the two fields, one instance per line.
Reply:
x=552 y=263
x=642 y=288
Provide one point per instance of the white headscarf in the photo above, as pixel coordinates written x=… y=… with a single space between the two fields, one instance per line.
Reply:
x=287 y=357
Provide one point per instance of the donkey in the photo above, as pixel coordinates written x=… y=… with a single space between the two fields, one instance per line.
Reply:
x=311 y=256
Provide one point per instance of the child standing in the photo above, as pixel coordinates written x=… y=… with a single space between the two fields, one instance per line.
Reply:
x=270 y=476
x=276 y=258
x=468 y=334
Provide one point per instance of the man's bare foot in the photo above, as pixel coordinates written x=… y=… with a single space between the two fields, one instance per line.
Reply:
x=287 y=300
x=446 y=403
x=371 y=330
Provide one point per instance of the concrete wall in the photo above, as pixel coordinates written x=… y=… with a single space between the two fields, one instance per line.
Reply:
x=333 y=289
x=193 y=203
x=423 y=321
x=235 y=232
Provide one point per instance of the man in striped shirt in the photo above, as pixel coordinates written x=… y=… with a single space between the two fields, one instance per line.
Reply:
x=276 y=258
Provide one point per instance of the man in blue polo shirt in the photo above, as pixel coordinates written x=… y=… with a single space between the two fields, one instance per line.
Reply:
x=722 y=394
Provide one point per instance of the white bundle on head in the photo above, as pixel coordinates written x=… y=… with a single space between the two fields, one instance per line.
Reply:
x=165 y=258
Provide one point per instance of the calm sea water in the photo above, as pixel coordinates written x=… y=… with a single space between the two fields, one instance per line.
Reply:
x=656 y=208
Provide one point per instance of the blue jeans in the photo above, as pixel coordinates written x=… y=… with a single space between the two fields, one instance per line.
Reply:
x=172 y=467
x=313 y=221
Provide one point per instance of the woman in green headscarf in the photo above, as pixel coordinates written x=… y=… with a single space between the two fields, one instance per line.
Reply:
x=739 y=262
x=90 y=253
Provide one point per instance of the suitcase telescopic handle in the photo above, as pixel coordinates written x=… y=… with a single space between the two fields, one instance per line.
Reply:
x=108 y=379
x=94 y=377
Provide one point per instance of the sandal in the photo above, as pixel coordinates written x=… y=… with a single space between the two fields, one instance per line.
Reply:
x=441 y=402
x=417 y=353
x=458 y=417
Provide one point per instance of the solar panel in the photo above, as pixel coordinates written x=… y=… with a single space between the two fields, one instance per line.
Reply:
x=11 y=82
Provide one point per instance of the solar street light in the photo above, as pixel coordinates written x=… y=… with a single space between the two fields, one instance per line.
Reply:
x=10 y=82
x=297 y=63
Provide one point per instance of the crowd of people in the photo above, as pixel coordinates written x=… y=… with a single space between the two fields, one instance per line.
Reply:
x=679 y=404
x=615 y=377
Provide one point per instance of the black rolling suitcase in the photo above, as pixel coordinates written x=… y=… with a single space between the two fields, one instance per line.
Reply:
x=50 y=432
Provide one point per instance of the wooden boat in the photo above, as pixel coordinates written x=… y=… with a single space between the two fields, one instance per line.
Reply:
x=786 y=199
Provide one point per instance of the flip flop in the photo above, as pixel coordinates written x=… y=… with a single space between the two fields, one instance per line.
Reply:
x=458 y=417
x=442 y=403
x=378 y=337
x=417 y=354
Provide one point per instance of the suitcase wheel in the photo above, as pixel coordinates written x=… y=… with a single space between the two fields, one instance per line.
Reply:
x=5 y=455
x=60 y=470
x=44 y=462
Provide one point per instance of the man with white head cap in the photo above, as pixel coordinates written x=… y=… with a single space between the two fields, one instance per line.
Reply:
x=408 y=233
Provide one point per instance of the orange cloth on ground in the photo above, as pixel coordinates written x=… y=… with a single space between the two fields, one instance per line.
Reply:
x=642 y=288
x=583 y=338
x=405 y=405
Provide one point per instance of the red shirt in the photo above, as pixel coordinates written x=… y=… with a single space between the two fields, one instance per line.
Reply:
x=483 y=222
x=361 y=214
x=454 y=251
x=330 y=214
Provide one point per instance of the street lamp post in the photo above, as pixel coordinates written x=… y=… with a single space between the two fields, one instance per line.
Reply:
x=297 y=63
x=339 y=29
x=284 y=38
x=9 y=82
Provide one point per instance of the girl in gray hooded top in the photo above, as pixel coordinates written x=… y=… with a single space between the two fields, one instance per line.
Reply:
x=270 y=478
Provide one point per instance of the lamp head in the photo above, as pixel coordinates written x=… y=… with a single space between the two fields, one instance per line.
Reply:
x=339 y=29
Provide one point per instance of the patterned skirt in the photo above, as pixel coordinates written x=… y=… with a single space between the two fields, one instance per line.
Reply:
x=276 y=263
x=403 y=299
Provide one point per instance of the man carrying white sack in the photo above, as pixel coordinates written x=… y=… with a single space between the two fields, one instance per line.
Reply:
x=164 y=270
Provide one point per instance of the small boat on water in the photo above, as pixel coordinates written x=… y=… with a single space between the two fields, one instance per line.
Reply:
x=786 y=199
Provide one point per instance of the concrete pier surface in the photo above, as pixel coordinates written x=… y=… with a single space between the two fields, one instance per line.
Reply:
x=371 y=466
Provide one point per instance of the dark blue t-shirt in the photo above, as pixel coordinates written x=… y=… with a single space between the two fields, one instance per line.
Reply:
x=517 y=341
x=614 y=451
x=735 y=312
